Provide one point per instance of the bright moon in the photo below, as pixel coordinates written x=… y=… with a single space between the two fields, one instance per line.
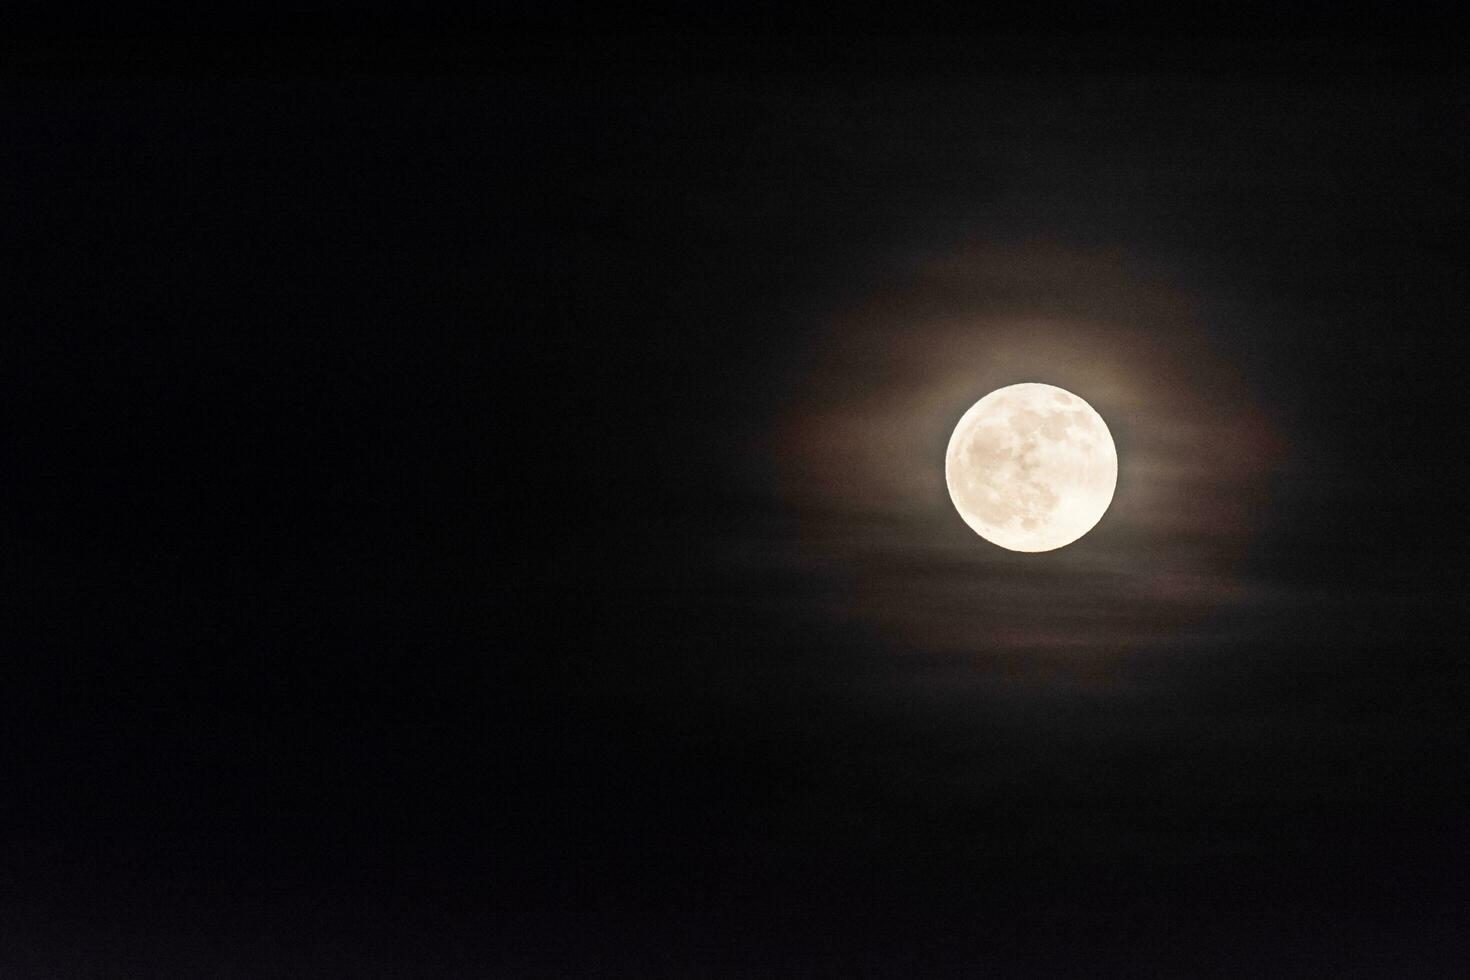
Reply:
x=1031 y=467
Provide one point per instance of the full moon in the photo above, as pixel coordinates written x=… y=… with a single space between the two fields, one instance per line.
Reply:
x=1031 y=467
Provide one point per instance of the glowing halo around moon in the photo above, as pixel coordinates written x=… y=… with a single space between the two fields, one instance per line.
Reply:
x=1031 y=467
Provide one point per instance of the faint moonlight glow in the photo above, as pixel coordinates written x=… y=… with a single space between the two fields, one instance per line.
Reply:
x=1031 y=467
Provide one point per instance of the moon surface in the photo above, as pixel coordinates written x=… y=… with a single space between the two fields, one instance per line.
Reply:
x=1031 y=467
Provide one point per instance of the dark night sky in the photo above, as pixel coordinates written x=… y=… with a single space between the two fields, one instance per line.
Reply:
x=474 y=505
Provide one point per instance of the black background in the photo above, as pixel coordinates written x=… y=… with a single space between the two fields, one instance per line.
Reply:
x=384 y=417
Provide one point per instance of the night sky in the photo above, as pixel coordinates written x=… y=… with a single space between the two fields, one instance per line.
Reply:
x=474 y=504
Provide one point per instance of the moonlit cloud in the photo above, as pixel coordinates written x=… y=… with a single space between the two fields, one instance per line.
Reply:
x=859 y=451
